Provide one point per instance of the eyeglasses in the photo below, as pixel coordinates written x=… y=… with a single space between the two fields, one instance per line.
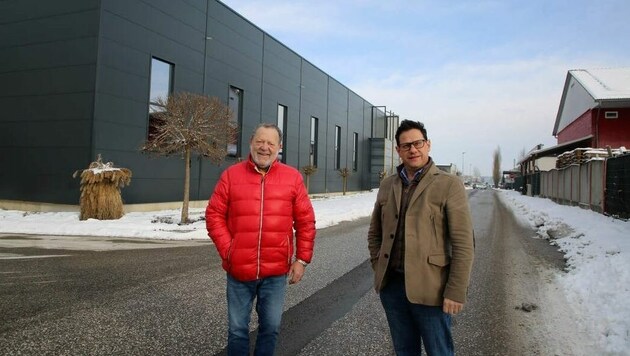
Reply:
x=417 y=144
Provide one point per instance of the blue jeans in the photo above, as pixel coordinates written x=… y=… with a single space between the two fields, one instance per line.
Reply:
x=270 y=294
x=412 y=325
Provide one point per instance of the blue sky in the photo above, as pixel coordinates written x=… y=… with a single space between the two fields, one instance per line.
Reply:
x=479 y=74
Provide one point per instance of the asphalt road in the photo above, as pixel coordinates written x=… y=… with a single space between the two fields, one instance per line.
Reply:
x=147 y=297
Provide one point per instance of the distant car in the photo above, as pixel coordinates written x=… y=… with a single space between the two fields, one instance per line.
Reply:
x=481 y=186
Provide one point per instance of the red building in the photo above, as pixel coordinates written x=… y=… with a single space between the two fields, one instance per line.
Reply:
x=595 y=108
x=594 y=112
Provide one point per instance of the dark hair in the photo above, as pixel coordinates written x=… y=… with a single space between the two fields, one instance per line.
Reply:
x=407 y=125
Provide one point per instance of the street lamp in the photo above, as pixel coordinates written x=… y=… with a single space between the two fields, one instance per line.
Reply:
x=463 y=169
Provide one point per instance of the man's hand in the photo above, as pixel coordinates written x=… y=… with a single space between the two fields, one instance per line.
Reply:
x=296 y=272
x=452 y=307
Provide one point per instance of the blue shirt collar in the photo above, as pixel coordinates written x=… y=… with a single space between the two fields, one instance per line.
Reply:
x=402 y=172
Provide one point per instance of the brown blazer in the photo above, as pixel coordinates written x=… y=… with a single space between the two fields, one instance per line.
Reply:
x=439 y=246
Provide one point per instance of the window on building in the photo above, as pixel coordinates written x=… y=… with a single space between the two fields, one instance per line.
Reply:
x=611 y=114
x=282 y=124
x=337 y=147
x=355 y=151
x=313 y=151
x=161 y=86
x=235 y=103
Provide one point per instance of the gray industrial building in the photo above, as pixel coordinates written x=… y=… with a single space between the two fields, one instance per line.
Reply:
x=77 y=79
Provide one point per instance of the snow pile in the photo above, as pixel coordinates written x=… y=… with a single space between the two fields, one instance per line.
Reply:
x=597 y=280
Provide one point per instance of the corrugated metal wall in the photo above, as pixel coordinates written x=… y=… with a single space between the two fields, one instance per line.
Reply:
x=75 y=83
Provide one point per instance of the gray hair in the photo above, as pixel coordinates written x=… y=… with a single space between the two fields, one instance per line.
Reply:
x=267 y=126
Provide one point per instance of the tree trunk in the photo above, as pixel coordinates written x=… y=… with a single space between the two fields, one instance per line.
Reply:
x=184 y=219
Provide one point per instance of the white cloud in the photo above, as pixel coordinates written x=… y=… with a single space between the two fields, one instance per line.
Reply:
x=479 y=75
x=476 y=107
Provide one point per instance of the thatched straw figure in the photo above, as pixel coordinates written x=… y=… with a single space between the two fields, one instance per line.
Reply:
x=100 y=190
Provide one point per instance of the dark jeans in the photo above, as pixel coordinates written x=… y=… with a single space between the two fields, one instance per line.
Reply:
x=414 y=325
x=270 y=293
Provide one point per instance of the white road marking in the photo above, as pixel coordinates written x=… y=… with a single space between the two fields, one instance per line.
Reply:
x=22 y=257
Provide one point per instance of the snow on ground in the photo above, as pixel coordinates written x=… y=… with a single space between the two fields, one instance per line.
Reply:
x=597 y=248
x=163 y=224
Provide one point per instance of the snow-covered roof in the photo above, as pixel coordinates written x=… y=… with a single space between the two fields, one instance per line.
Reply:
x=604 y=83
x=600 y=87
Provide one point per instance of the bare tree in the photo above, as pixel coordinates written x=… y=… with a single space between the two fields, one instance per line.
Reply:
x=345 y=173
x=308 y=172
x=496 y=166
x=190 y=123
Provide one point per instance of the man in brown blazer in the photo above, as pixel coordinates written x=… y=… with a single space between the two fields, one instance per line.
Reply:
x=421 y=247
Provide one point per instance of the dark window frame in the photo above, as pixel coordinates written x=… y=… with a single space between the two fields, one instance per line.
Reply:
x=234 y=145
x=155 y=122
x=355 y=151
x=314 y=141
x=337 y=155
x=282 y=124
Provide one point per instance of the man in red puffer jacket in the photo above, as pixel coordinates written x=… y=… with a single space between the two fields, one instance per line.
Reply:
x=251 y=217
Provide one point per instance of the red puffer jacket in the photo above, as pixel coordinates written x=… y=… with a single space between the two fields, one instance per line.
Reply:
x=251 y=217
